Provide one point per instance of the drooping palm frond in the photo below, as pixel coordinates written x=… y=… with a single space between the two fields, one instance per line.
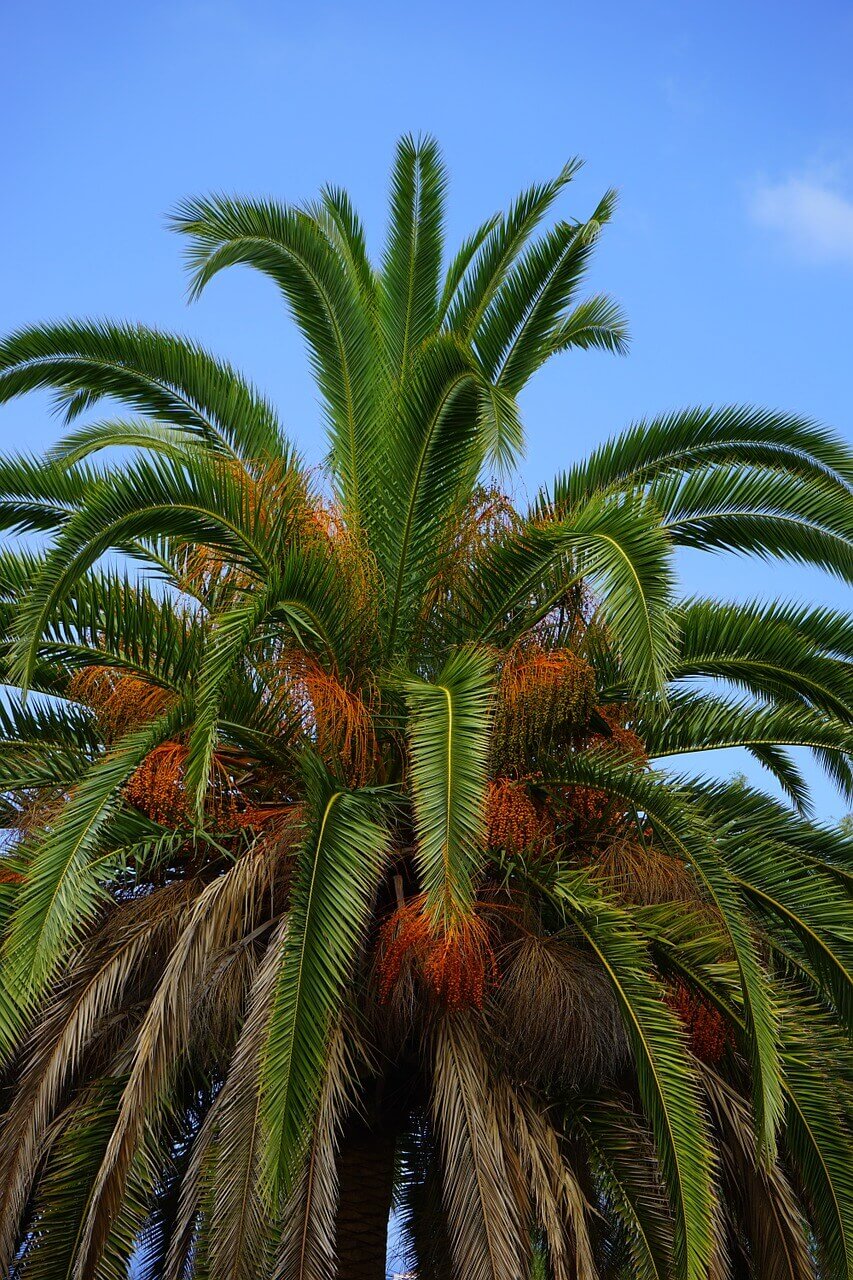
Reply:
x=619 y=547
x=292 y=248
x=223 y=912
x=772 y=652
x=763 y=511
x=307 y=1236
x=626 y=1171
x=336 y=876
x=170 y=379
x=97 y=986
x=703 y=722
x=37 y=495
x=684 y=831
x=693 y=438
x=776 y=1231
x=664 y=1075
x=64 y=878
x=561 y=1208
x=449 y=734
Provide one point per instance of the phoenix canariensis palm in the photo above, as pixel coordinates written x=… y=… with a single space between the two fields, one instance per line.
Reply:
x=345 y=870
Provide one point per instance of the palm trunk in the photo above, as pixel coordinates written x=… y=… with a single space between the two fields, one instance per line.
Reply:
x=366 y=1172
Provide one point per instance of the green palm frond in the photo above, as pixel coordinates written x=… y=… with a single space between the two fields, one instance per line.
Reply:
x=289 y=245
x=763 y=511
x=779 y=653
x=38 y=495
x=131 y=433
x=804 y=897
x=694 y=721
x=667 y=809
x=337 y=871
x=109 y=620
x=501 y=246
x=595 y=322
x=449 y=723
x=437 y=449
x=462 y=260
x=412 y=261
x=343 y=226
x=301 y=598
x=692 y=438
x=64 y=878
x=619 y=548
x=819 y=1143
x=516 y=334
x=207 y=504
x=168 y=378
x=751 y=815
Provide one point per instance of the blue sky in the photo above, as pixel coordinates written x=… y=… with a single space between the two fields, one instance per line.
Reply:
x=728 y=129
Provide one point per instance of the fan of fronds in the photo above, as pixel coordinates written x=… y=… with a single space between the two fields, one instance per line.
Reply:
x=343 y=867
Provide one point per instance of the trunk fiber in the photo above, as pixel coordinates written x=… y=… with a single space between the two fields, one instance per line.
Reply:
x=366 y=1172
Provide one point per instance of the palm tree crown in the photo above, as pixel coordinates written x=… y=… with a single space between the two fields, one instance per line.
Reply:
x=343 y=871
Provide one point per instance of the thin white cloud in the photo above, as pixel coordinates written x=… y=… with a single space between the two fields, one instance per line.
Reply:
x=815 y=219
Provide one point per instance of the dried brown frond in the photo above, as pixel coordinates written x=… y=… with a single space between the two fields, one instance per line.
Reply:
x=487 y=1231
x=561 y=1208
x=544 y=697
x=513 y=821
x=112 y=968
x=240 y=1219
x=220 y=1004
x=554 y=1013
x=191 y=1229
x=455 y=963
x=273 y=819
x=643 y=873
x=307 y=1234
x=37 y=810
x=121 y=700
x=759 y=1193
x=228 y=909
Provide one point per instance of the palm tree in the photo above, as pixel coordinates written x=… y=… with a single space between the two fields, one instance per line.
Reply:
x=343 y=872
